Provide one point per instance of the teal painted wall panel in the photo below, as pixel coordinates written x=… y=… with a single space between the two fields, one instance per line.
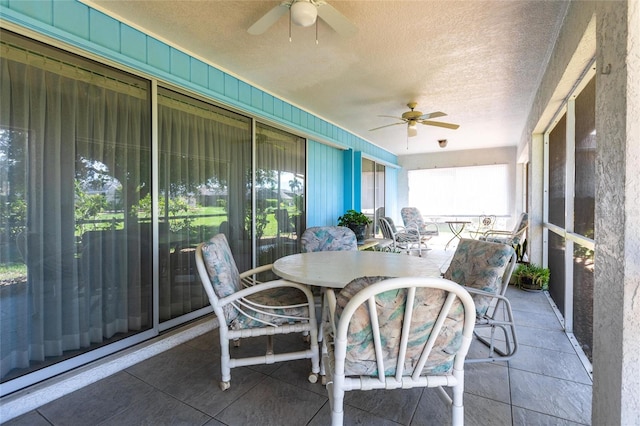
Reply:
x=73 y=18
x=277 y=107
x=199 y=73
x=231 y=87
x=133 y=43
x=267 y=103
x=104 y=30
x=180 y=64
x=158 y=55
x=256 y=98
x=244 y=93
x=39 y=10
x=325 y=188
x=295 y=116
x=216 y=80
x=286 y=112
x=357 y=180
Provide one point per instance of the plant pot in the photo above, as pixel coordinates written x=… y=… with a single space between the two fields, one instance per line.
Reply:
x=359 y=230
x=526 y=283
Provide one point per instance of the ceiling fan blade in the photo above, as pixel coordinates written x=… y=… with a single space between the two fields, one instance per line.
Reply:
x=439 y=124
x=392 y=116
x=336 y=20
x=432 y=115
x=387 y=125
x=270 y=18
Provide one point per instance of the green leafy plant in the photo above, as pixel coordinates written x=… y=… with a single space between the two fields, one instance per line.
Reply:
x=531 y=276
x=352 y=217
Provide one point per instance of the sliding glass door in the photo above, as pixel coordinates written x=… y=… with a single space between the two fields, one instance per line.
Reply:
x=99 y=222
x=75 y=168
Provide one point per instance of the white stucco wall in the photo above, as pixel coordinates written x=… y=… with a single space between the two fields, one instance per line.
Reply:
x=610 y=30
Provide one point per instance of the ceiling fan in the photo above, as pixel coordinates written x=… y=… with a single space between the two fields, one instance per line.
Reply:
x=305 y=13
x=413 y=117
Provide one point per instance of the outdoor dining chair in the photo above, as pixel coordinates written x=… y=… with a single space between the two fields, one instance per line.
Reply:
x=411 y=217
x=328 y=238
x=512 y=236
x=403 y=239
x=484 y=269
x=246 y=307
x=397 y=333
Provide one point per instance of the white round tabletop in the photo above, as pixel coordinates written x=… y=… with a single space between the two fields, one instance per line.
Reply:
x=336 y=269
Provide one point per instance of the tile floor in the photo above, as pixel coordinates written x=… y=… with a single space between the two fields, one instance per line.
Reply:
x=545 y=384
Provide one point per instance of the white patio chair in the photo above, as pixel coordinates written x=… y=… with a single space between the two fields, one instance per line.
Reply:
x=397 y=333
x=411 y=217
x=246 y=307
x=484 y=269
x=402 y=238
x=484 y=224
x=510 y=237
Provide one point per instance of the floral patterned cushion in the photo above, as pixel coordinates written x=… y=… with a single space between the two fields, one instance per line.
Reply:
x=328 y=238
x=480 y=265
x=222 y=269
x=361 y=358
x=277 y=301
x=411 y=216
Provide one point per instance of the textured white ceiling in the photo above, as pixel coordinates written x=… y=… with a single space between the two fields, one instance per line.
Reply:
x=478 y=61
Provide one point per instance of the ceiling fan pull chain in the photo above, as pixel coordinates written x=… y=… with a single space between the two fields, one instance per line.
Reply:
x=289 y=25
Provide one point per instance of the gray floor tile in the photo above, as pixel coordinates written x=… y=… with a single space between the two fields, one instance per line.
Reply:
x=272 y=402
x=481 y=411
x=523 y=417
x=297 y=373
x=432 y=409
x=97 y=402
x=158 y=409
x=542 y=320
x=201 y=388
x=488 y=380
x=550 y=339
x=352 y=416
x=397 y=405
x=548 y=395
x=171 y=366
x=32 y=418
x=550 y=363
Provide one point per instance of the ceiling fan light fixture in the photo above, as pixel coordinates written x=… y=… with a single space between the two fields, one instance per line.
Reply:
x=412 y=129
x=304 y=13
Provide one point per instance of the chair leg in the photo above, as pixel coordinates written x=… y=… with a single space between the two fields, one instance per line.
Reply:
x=225 y=367
x=336 y=402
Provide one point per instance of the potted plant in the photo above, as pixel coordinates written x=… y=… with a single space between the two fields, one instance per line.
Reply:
x=530 y=276
x=356 y=221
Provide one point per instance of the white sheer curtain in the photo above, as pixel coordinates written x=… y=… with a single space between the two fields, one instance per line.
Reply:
x=280 y=196
x=77 y=131
x=205 y=159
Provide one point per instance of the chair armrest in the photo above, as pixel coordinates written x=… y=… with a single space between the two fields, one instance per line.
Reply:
x=507 y=233
x=248 y=291
x=247 y=278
